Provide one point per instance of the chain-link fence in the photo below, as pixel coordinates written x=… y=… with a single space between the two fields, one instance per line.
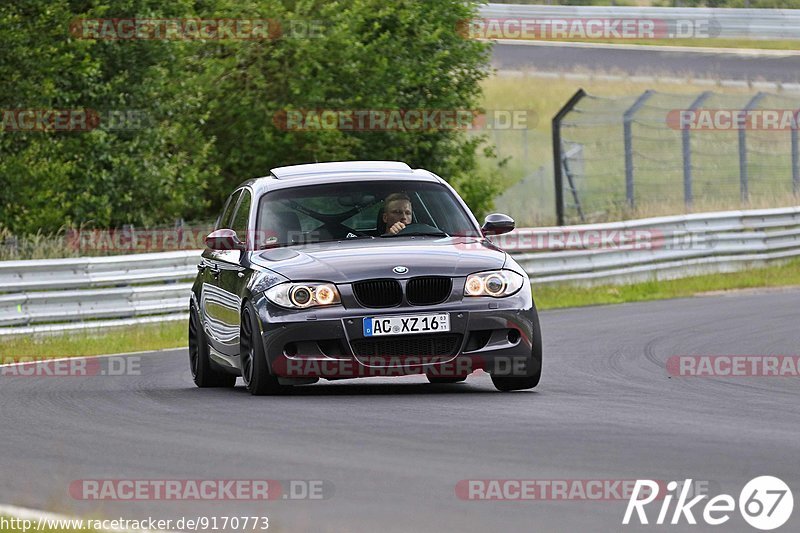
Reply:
x=657 y=152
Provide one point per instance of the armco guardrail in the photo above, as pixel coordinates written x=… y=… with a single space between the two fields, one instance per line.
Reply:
x=720 y=22
x=85 y=272
x=52 y=295
x=69 y=294
x=657 y=248
x=49 y=306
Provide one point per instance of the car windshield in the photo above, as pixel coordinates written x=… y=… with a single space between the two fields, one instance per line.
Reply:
x=359 y=210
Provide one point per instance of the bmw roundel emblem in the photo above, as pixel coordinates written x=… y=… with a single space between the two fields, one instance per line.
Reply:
x=400 y=270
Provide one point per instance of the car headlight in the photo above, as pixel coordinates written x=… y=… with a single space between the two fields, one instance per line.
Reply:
x=495 y=283
x=303 y=295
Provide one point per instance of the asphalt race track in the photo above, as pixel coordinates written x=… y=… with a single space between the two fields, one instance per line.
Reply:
x=394 y=448
x=647 y=62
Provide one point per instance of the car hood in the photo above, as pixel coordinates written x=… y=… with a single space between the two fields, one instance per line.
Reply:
x=347 y=261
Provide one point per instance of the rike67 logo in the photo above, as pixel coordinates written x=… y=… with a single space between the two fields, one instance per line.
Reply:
x=765 y=503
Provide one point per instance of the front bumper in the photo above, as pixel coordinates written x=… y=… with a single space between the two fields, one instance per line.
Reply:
x=495 y=335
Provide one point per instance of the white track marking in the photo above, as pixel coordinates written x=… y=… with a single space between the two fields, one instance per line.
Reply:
x=48 y=360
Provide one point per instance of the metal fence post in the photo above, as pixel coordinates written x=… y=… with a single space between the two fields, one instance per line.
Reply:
x=744 y=185
x=686 y=140
x=626 y=127
x=571 y=182
x=525 y=146
x=795 y=158
x=557 y=168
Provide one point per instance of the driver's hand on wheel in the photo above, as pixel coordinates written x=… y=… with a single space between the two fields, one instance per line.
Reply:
x=396 y=228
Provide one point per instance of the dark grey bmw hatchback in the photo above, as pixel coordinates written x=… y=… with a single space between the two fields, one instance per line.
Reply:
x=358 y=269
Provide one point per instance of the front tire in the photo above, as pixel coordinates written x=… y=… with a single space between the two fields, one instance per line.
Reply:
x=506 y=384
x=203 y=373
x=511 y=383
x=255 y=371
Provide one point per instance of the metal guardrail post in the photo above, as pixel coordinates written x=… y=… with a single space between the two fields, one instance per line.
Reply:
x=686 y=141
x=628 y=138
x=557 y=167
x=744 y=185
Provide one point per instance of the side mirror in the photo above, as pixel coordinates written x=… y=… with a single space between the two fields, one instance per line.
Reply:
x=497 y=224
x=224 y=239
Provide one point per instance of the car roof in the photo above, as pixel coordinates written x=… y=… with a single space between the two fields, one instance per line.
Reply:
x=339 y=167
x=337 y=172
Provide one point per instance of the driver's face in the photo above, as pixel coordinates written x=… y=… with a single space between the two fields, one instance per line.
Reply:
x=397 y=211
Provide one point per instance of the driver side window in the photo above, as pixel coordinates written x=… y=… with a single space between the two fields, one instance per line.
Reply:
x=224 y=220
x=242 y=216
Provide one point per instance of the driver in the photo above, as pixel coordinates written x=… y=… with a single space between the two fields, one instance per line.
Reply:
x=397 y=212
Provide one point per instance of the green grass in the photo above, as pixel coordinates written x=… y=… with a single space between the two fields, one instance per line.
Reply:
x=558 y=296
x=116 y=340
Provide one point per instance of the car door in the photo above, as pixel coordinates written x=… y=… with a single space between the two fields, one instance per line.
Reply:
x=232 y=277
x=214 y=300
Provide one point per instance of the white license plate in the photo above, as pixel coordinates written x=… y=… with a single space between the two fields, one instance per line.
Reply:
x=406 y=324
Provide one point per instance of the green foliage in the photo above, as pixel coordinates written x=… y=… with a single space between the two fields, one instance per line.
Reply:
x=208 y=106
x=145 y=175
x=371 y=55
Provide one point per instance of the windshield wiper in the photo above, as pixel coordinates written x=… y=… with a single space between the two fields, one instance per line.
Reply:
x=342 y=239
x=277 y=245
x=345 y=239
x=418 y=234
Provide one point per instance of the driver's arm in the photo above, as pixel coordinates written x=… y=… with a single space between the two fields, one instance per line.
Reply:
x=396 y=228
